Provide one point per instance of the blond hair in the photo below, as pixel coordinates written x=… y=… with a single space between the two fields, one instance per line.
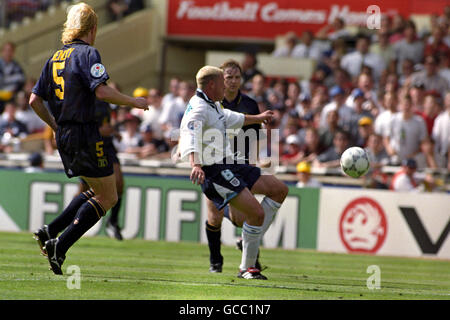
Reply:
x=206 y=74
x=81 y=18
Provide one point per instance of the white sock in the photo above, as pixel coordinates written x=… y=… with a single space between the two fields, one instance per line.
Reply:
x=270 y=208
x=251 y=236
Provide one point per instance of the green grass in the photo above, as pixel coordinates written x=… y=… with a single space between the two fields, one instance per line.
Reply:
x=139 y=269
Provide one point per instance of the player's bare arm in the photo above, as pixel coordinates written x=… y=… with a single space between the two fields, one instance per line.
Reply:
x=258 y=118
x=38 y=106
x=111 y=95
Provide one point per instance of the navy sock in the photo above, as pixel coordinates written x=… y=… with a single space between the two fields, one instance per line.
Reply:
x=87 y=216
x=66 y=217
x=213 y=234
x=114 y=217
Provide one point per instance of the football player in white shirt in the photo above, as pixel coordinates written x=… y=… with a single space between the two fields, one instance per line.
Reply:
x=204 y=143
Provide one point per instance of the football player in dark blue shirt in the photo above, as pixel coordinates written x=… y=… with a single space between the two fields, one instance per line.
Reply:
x=244 y=153
x=71 y=80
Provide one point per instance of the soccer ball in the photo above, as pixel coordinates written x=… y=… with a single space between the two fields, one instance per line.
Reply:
x=355 y=162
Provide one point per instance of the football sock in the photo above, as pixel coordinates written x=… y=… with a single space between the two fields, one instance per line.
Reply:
x=213 y=234
x=66 y=217
x=87 y=216
x=114 y=217
x=270 y=208
x=251 y=236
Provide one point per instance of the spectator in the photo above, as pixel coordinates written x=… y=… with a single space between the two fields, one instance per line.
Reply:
x=339 y=30
x=404 y=179
x=140 y=92
x=417 y=92
x=354 y=61
x=172 y=112
x=376 y=152
x=383 y=120
x=338 y=103
x=249 y=67
x=17 y=10
x=431 y=109
x=444 y=67
x=293 y=97
x=148 y=145
x=171 y=96
x=326 y=133
x=430 y=77
x=435 y=45
x=36 y=163
x=308 y=47
x=405 y=133
x=383 y=48
x=120 y=8
x=409 y=47
x=391 y=83
x=378 y=158
x=331 y=157
x=365 y=129
x=398 y=28
x=407 y=71
x=358 y=113
x=426 y=158
x=304 y=176
x=441 y=134
x=153 y=114
x=306 y=122
x=10 y=124
x=312 y=146
x=304 y=107
x=258 y=92
x=12 y=76
x=11 y=129
x=290 y=40
x=26 y=114
x=366 y=84
x=292 y=150
x=131 y=136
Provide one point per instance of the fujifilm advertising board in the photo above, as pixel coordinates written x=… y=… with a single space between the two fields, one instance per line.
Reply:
x=153 y=208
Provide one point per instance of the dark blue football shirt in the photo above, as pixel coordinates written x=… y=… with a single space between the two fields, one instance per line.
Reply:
x=246 y=105
x=68 y=81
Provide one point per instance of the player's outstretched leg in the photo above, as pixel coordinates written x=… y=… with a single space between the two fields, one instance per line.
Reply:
x=61 y=222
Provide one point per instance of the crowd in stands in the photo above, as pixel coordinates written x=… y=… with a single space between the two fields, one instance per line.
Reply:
x=388 y=92
x=14 y=11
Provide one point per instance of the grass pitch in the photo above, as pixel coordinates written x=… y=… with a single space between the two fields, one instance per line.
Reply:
x=139 y=269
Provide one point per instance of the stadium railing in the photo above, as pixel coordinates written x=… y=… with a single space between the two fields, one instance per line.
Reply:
x=165 y=167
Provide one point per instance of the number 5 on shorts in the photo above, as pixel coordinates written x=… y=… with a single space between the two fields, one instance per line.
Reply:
x=99 y=148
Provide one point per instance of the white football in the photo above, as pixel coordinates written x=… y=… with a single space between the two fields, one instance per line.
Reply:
x=355 y=162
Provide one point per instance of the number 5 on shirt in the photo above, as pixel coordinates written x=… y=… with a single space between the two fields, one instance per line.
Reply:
x=59 y=80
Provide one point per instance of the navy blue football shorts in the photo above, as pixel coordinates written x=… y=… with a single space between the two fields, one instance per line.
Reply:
x=82 y=151
x=223 y=182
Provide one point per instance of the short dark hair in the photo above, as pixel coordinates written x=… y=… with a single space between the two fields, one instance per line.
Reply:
x=231 y=63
